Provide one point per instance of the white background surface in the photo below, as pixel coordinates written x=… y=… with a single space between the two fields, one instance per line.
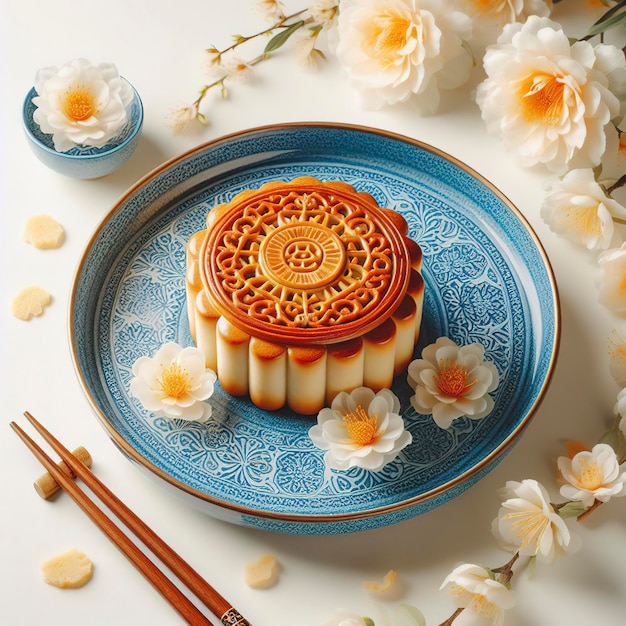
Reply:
x=158 y=46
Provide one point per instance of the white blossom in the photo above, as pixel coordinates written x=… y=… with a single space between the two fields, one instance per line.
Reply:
x=592 y=475
x=324 y=12
x=612 y=291
x=577 y=207
x=549 y=101
x=394 y=49
x=174 y=383
x=305 y=51
x=178 y=118
x=361 y=429
x=452 y=381
x=483 y=599
x=271 y=10
x=236 y=69
x=81 y=104
x=528 y=523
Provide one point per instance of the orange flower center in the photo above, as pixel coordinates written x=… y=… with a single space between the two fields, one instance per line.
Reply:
x=174 y=381
x=542 y=99
x=591 y=475
x=453 y=379
x=79 y=103
x=387 y=35
x=585 y=219
x=361 y=427
x=488 y=6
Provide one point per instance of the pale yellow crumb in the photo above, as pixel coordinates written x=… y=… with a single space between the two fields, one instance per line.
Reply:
x=43 y=232
x=69 y=570
x=262 y=573
x=383 y=585
x=30 y=302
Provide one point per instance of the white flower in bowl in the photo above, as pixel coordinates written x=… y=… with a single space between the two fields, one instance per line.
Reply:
x=81 y=104
x=361 y=429
x=452 y=381
x=392 y=49
x=482 y=598
x=592 y=475
x=551 y=102
x=174 y=383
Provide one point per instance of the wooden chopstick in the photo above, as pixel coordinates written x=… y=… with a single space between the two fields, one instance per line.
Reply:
x=207 y=594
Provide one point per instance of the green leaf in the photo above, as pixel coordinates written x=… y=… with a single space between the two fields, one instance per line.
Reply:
x=279 y=40
x=615 y=438
x=572 y=509
x=611 y=22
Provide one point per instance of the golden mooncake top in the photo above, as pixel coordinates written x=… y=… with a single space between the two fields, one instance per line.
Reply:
x=305 y=261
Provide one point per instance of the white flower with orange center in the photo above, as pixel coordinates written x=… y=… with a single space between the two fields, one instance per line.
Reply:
x=550 y=102
x=81 y=104
x=361 y=429
x=612 y=291
x=452 y=381
x=527 y=522
x=592 y=475
x=392 y=49
x=577 y=207
x=174 y=383
x=482 y=598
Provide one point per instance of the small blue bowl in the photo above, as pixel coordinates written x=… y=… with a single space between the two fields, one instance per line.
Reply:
x=84 y=161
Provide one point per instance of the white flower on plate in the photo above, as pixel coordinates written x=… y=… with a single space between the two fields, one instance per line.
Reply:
x=483 y=599
x=528 y=523
x=392 y=49
x=174 y=383
x=81 y=104
x=576 y=206
x=550 y=102
x=361 y=429
x=451 y=381
x=592 y=475
x=612 y=292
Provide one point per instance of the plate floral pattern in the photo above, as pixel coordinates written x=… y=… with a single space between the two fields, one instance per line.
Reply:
x=487 y=281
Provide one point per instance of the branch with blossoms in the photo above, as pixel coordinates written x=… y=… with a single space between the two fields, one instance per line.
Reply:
x=227 y=66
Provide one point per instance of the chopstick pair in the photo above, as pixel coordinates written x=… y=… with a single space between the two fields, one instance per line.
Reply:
x=218 y=605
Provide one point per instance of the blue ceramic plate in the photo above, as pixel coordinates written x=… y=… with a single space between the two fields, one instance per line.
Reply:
x=487 y=281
